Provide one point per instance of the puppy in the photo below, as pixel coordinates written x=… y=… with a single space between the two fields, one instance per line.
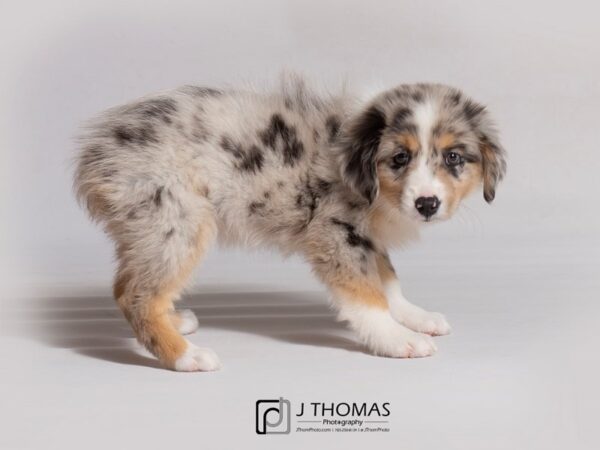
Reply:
x=335 y=180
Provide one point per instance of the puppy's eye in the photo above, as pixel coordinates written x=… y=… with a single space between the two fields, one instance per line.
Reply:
x=453 y=159
x=401 y=159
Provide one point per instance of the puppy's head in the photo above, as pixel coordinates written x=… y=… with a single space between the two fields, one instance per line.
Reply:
x=422 y=148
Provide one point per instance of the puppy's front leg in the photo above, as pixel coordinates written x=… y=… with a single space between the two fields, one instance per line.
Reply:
x=362 y=303
x=401 y=309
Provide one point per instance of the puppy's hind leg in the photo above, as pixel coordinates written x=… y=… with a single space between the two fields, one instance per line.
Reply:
x=154 y=265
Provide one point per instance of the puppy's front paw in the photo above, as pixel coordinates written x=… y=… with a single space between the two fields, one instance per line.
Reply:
x=403 y=343
x=384 y=336
x=432 y=323
x=417 y=319
x=197 y=359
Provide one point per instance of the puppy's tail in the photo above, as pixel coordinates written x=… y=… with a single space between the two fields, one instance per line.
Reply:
x=95 y=165
x=89 y=182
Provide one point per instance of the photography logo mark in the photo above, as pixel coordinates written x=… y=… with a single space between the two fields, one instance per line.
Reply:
x=273 y=416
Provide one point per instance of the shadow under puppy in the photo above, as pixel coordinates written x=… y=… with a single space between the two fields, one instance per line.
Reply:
x=327 y=177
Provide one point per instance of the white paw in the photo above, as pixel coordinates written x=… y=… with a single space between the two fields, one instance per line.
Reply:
x=384 y=336
x=432 y=323
x=188 y=322
x=197 y=359
x=402 y=343
x=412 y=316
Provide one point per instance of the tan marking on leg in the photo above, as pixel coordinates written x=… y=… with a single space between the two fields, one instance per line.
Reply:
x=361 y=291
x=158 y=333
x=149 y=313
x=341 y=272
x=149 y=316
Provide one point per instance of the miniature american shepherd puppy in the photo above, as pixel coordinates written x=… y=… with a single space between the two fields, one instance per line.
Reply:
x=334 y=179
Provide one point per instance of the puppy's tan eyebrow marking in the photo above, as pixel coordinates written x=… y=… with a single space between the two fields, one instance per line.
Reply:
x=408 y=141
x=454 y=147
x=445 y=140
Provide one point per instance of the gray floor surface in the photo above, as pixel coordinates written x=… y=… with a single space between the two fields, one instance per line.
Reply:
x=519 y=371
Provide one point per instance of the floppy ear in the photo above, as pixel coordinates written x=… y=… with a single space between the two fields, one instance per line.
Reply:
x=359 y=142
x=494 y=164
x=493 y=156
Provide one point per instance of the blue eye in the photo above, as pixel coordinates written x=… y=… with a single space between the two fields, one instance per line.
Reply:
x=401 y=159
x=453 y=159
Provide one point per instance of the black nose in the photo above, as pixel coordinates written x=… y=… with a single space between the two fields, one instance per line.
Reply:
x=427 y=206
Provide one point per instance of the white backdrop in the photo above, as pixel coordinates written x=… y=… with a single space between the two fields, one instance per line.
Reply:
x=519 y=278
x=534 y=63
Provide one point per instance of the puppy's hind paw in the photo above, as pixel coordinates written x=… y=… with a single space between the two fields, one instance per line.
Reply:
x=185 y=321
x=197 y=359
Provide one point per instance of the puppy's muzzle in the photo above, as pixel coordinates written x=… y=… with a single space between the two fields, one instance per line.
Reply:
x=427 y=206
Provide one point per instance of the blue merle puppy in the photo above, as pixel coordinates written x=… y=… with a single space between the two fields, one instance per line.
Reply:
x=333 y=179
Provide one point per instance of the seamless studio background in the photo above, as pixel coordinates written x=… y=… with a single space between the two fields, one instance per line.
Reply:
x=518 y=279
